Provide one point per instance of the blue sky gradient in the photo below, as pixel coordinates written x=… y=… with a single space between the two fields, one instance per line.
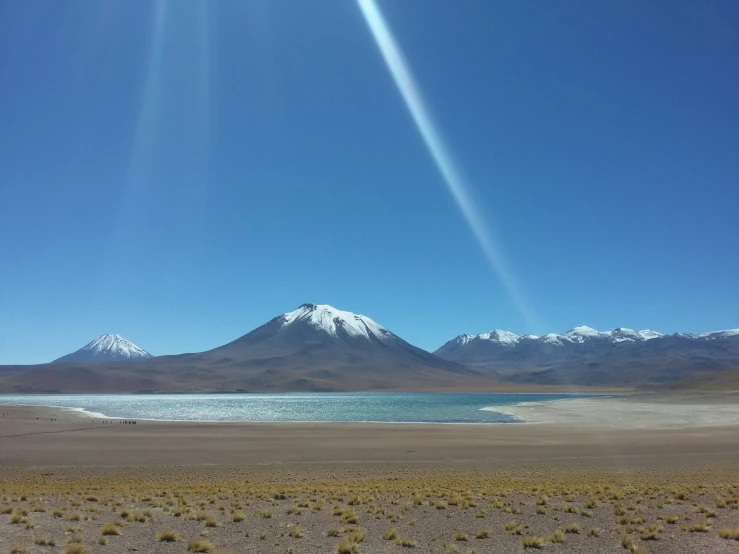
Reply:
x=181 y=172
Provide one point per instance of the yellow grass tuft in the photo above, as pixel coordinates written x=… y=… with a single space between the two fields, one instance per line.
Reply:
x=405 y=542
x=532 y=542
x=729 y=534
x=168 y=535
x=110 y=529
x=346 y=547
x=199 y=546
x=558 y=536
x=390 y=534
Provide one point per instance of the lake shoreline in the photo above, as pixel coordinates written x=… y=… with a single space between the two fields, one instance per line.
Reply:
x=57 y=436
x=380 y=407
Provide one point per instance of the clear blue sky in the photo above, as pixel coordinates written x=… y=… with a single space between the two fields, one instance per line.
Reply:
x=180 y=172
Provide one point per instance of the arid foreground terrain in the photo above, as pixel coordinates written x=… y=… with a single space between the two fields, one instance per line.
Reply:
x=72 y=484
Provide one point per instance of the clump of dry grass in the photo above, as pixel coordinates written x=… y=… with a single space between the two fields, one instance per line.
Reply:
x=76 y=548
x=168 y=535
x=390 y=534
x=356 y=536
x=729 y=534
x=650 y=533
x=571 y=528
x=460 y=536
x=349 y=516
x=700 y=527
x=110 y=529
x=532 y=542
x=296 y=532
x=346 y=547
x=482 y=534
x=199 y=546
x=558 y=536
x=237 y=517
x=405 y=542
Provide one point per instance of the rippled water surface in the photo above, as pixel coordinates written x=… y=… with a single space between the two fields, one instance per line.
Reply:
x=337 y=407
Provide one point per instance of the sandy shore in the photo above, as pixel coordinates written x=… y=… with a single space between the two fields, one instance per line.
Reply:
x=683 y=411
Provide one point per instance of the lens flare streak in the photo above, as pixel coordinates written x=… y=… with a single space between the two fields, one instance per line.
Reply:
x=400 y=71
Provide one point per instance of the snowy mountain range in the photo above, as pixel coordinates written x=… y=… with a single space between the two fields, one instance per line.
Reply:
x=498 y=340
x=107 y=348
x=587 y=356
x=317 y=347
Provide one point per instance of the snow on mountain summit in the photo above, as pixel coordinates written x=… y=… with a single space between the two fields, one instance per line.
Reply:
x=501 y=337
x=578 y=335
x=107 y=348
x=332 y=321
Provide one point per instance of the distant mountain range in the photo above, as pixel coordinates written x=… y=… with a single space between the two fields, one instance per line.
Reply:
x=107 y=348
x=589 y=357
x=321 y=348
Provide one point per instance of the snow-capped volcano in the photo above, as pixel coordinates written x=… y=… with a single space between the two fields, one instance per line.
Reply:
x=336 y=322
x=107 y=348
x=320 y=346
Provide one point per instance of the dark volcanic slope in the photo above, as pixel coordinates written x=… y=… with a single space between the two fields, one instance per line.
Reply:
x=311 y=348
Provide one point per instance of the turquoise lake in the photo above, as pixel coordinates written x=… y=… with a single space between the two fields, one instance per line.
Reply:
x=386 y=407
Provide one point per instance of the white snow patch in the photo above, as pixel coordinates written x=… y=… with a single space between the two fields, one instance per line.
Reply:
x=115 y=345
x=648 y=334
x=329 y=319
x=501 y=337
x=720 y=334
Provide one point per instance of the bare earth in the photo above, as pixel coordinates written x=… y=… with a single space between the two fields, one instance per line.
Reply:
x=678 y=488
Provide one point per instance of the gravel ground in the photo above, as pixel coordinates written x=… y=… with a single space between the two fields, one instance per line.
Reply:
x=427 y=505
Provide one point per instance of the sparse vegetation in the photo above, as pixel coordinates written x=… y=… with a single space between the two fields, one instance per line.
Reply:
x=380 y=495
